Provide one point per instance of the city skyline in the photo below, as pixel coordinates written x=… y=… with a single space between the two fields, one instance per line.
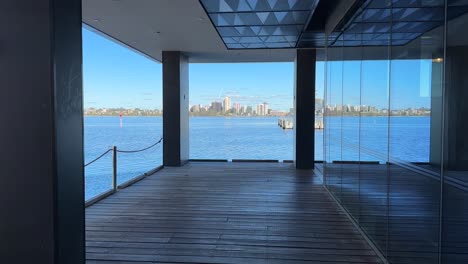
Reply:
x=114 y=76
x=227 y=107
x=217 y=108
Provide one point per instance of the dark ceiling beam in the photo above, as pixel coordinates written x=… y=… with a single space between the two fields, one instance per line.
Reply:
x=342 y=9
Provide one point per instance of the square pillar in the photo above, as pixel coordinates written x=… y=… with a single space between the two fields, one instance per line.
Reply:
x=304 y=105
x=175 y=108
x=41 y=157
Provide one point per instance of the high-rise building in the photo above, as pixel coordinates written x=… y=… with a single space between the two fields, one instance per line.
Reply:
x=237 y=107
x=249 y=110
x=216 y=106
x=265 y=108
x=262 y=109
x=226 y=104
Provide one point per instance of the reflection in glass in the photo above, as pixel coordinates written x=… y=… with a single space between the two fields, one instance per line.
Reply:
x=395 y=142
x=455 y=146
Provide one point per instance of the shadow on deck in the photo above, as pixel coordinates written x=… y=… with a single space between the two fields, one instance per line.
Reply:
x=224 y=213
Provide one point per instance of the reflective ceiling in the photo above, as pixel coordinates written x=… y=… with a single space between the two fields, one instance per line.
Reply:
x=259 y=24
x=378 y=22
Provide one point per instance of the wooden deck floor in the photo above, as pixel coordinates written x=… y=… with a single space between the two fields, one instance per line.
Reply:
x=224 y=213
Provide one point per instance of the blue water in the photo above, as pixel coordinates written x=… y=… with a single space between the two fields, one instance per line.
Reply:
x=101 y=133
x=350 y=138
x=239 y=138
x=378 y=138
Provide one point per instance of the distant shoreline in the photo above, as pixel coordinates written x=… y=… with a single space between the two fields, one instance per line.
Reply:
x=189 y=116
x=256 y=116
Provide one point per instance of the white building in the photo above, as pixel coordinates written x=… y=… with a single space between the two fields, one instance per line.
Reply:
x=226 y=104
x=237 y=107
x=262 y=109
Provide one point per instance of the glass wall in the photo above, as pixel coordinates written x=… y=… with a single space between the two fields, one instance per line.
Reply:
x=455 y=136
x=319 y=105
x=396 y=136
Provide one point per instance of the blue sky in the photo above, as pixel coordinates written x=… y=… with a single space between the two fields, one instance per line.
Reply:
x=367 y=83
x=247 y=84
x=115 y=76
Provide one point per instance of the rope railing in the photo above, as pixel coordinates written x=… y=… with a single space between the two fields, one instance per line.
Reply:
x=139 y=150
x=98 y=158
x=122 y=151
x=114 y=160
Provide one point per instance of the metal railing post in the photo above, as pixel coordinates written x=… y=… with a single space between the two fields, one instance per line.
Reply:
x=114 y=168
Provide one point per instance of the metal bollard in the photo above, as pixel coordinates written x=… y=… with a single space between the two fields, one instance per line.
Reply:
x=114 y=168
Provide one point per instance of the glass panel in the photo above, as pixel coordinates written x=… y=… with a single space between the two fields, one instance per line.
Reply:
x=410 y=128
x=414 y=186
x=333 y=122
x=373 y=135
x=455 y=132
x=319 y=106
x=374 y=107
x=350 y=129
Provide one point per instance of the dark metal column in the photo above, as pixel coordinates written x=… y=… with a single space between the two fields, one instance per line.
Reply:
x=304 y=105
x=41 y=135
x=175 y=108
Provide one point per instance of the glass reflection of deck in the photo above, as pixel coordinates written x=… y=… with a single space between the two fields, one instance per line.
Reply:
x=399 y=209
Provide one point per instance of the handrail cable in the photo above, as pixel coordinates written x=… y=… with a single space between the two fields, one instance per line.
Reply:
x=122 y=151
x=114 y=150
x=96 y=159
x=140 y=150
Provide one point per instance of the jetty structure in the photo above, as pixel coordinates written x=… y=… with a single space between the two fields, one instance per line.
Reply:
x=285 y=123
x=318 y=124
x=357 y=194
x=288 y=123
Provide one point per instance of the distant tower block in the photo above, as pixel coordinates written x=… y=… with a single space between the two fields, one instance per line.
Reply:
x=227 y=104
x=237 y=107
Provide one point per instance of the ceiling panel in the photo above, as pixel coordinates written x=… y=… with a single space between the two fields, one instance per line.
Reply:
x=259 y=24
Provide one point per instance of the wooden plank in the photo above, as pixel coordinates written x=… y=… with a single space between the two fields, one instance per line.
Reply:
x=224 y=213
